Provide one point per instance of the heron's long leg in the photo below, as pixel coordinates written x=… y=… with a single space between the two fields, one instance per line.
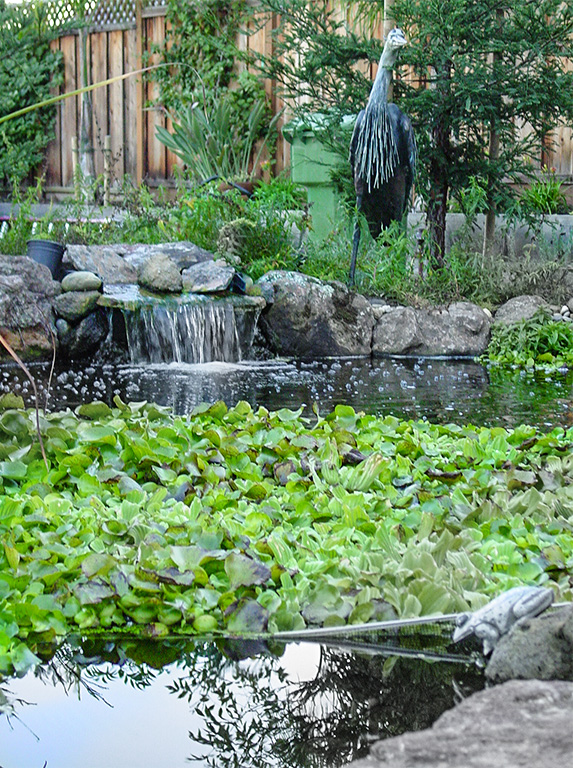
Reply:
x=355 y=241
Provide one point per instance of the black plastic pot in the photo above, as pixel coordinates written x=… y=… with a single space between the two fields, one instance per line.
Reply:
x=49 y=253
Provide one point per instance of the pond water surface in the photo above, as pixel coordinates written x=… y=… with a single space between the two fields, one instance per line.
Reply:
x=459 y=391
x=124 y=705
x=121 y=705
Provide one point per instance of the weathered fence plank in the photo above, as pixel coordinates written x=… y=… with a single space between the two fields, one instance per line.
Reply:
x=100 y=96
x=116 y=123
x=69 y=111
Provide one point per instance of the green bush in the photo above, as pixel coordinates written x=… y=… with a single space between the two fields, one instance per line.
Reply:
x=539 y=341
x=29 y=68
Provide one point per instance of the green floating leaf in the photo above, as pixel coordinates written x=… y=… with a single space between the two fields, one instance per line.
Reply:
x=244 y=571
x=23 y=659
x=93 y=592
x=15 y=423
x=362 y=478
x=97 y=434
x=97 y=563
x=345 y=417
x=14 y=470
x=248 y=617
x=95 y=410
x=190 y=558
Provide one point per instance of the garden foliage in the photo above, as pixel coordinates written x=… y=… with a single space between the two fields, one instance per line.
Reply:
x=29 y=69
x=242 y=521
x=539 y=341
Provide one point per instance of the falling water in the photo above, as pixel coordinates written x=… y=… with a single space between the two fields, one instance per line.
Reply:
x=187 y=329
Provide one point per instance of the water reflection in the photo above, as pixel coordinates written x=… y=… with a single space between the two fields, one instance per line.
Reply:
x=440 y=390
x=175 y=704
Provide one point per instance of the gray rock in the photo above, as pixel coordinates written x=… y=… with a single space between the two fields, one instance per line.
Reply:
x=308 y=318
x=81 y=281
x=208 y=277
x=183 y=253
x=539 y=648
x=26 y=293
x=104 y=260
x=462 y=329
x=519 y=723
x=85 y=338
x=74 y=305
x=64 y=331
x=519 y=308
x=160 y=274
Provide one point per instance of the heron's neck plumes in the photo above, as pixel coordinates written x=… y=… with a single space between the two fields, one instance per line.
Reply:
x=376 y=150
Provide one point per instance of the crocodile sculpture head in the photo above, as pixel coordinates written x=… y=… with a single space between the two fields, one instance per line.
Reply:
x=498 y=616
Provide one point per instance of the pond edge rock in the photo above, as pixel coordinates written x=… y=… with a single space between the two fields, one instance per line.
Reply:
x=521 y=722
x=304 y=317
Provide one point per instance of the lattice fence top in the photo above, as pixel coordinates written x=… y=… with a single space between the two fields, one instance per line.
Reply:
x=96 y=13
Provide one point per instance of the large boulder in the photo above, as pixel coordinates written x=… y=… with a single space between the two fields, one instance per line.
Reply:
x=84 y=338
x=183 y=253
x=75 y=305
x=519 y=308
x=519 y=723
x=26 y=294
x=82 y=281
x=537 y=648
x=104 y=260
x=208 y=277
x=307 y=318
x=117 y=264
x=160 y=274
x=462 y=329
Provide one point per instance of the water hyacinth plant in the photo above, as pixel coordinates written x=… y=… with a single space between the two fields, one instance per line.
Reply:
x=246 y=521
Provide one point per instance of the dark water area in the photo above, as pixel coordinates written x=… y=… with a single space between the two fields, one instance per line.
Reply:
x=126 y=705
x=459 y=391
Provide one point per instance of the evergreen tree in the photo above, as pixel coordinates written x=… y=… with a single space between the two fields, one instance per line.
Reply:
x=476 y=72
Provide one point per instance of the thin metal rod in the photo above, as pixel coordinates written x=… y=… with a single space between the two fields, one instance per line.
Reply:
x=373 y=626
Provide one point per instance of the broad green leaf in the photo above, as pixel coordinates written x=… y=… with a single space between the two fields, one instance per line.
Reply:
x=248 y=617
x=94 y=410
x=14 y=470
x=244 y=571
x=97 y=563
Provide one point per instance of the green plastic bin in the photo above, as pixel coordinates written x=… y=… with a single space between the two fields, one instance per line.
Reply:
x=310 y=165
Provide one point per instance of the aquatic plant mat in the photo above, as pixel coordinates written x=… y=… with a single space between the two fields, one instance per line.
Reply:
x=241 y=521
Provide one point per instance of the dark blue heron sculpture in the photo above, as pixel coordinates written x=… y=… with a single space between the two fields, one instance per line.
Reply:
x=382 y=153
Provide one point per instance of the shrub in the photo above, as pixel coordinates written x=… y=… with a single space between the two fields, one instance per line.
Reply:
x=28 y=70
x=539 y=341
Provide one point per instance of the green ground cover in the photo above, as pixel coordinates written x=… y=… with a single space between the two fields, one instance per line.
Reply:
x=241 y=520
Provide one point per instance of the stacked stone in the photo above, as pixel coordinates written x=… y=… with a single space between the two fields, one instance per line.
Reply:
x=81 y=325
x=567 y=311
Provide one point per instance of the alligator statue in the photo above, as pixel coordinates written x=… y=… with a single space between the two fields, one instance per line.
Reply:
x=498 y=616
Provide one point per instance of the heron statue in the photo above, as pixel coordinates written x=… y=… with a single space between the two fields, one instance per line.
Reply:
x=382 y=153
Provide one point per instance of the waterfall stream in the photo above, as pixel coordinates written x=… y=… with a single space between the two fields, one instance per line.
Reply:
x=190 y=328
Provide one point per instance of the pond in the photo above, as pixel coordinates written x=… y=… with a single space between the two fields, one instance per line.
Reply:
x=282 y=705
x=459 y=391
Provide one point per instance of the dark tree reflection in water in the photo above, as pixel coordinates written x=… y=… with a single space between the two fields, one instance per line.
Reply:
x=251 y=708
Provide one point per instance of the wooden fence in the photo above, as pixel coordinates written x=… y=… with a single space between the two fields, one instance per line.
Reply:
x=117 y=46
